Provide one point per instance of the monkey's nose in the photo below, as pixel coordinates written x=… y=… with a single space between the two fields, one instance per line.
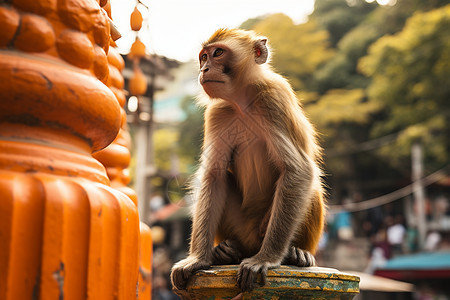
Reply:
x=204 y=70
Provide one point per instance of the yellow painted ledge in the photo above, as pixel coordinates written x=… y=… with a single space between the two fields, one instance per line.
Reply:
x=285 y=282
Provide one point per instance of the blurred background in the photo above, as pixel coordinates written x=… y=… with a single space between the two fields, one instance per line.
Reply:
x=372 y=76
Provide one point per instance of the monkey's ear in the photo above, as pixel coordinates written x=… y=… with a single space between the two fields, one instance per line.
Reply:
x=261 y=52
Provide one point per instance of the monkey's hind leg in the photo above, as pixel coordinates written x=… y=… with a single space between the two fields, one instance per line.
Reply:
x=298 y=257
x=227 y=253
x=307 y=239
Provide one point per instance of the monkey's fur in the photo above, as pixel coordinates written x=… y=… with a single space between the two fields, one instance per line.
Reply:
x=260 y=192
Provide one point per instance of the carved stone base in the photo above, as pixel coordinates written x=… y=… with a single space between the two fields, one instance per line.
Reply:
x=285 y=282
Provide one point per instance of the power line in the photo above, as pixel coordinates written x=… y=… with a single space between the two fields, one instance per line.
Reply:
x=400 y=193
x=362 y=147
x=375 y=143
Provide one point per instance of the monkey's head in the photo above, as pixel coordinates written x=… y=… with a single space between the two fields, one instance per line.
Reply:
x=230 y=60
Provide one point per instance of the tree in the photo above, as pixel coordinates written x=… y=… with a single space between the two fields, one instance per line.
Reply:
x=339 y=79
x=353 y=28
x=339 y=16
x=191 y=131
x=182 y=142
x=342 y=107
x=410 y=72
x=298 y=49
x=343 y=117
x=340 y=71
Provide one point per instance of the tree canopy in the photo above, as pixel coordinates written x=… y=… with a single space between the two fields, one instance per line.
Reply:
x=298 y=49
x=409 y=74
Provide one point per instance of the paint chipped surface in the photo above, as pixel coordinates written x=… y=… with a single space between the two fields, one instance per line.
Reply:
x=285 y=282
x=59 y=275
x=305 y=285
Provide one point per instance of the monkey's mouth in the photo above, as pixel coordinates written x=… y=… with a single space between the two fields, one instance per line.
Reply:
x=211 y=80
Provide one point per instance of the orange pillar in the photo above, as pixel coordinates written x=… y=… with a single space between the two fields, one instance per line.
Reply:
x=116 y=159
x=64 y=232
x=145 y=263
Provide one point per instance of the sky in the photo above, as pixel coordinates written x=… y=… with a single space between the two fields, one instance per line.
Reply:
x=176 y=28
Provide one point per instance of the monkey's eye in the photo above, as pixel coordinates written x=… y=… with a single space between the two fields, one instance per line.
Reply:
x=204 y=57
x=218 y=52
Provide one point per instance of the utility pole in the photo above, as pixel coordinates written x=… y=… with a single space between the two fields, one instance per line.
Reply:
x=145 y=168
x=142 y=145
x=419 y=192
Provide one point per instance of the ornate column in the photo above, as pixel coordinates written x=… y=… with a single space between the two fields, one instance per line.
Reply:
x=64 y=232
x=116 y=159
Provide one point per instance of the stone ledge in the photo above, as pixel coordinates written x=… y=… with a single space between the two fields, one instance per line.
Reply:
x=285 y=282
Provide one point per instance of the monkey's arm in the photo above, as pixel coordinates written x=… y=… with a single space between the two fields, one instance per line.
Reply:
x=211 y=200
x=291 y=199
x=210 y=195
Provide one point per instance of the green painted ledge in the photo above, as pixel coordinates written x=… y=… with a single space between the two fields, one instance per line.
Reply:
x=285 y=282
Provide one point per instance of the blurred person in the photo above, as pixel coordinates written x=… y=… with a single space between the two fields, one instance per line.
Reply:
x=377 y=260
x=411 y=237
x=343 y=223
x=441 y=208
x=374 y=221
x=396 y=234
x=432 y=241
x=380 y=241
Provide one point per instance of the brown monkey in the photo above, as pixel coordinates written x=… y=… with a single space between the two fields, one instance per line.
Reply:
x=259 y=190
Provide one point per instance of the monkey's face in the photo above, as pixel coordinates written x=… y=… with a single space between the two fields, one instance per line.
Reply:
x=216 y=71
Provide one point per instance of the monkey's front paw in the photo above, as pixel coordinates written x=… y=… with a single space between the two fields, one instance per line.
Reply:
x=300 y=258
x=227 y=253
x=249 y=270
x=183 y=269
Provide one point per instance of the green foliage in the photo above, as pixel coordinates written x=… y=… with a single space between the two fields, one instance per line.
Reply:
x=355 y=43
x=431 y=134
x=336 y=74
x=165 y=145
x=409 y=73
x=342 y=106
x=338 y=17
x=298 y=49
x=182 y=143
x=169 y=155
x=250 y=23
x=366 y=23
x=340 y=72
x=191 y=131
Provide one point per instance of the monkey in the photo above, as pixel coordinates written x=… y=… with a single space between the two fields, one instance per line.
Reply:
x=259 y=191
